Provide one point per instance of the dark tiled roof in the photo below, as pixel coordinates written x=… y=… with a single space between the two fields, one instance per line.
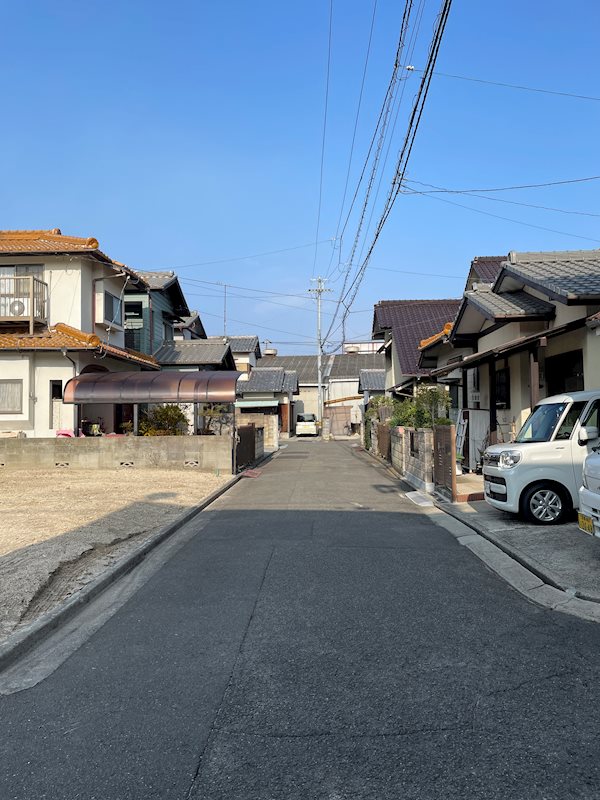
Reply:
x=569 y=274
x=157 y=280
x=487 y=267
x=193 y=352
x=290 y=382
x=411 y=321
x=371 y=380
x=304 y=366
x=510 y=304
x=350 y=365
x=263 y=379
x=239 y=344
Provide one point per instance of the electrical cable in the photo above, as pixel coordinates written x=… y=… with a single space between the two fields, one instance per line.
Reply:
x=510 y=85
x=324 y=134
x=436 y=190
x=240 y=258
x=360 y=97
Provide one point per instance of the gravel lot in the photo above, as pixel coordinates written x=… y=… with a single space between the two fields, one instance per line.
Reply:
x=59 y=530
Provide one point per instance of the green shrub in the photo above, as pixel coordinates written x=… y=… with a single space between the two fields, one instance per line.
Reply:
x=166 y=420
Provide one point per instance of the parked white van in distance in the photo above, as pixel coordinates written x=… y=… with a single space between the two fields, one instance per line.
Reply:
x=539 y=474
x=306 y=425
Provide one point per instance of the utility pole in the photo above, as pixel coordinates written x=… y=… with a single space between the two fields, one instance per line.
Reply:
x=318 y=292
x=224 y=309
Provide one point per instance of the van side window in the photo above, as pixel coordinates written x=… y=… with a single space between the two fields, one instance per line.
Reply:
x=591 y=418
x=568 y=423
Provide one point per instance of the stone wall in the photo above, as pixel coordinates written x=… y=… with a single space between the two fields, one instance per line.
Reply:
x=412 y=456
x=207 y=453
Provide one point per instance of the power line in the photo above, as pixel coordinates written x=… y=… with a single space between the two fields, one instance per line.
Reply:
x=404 y=156
x=440 y=190
x=250 y=289
x=254 y=325
x=242 y=258
x=324 y=133
x=510 y=85
x=437 y=189
x=360 y=96
x=507 y=219
x=380 y=132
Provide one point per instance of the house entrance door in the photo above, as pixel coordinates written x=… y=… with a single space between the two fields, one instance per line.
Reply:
x=564 y=373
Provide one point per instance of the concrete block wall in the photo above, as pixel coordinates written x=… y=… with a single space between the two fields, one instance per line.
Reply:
x=417 y=469
x=205 y=453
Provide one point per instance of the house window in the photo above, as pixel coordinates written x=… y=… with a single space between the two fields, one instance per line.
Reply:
x=56 y=405
x=112 y=309
x=167 y=332
x=134 y=315
x=503 y=387
x=11 y=396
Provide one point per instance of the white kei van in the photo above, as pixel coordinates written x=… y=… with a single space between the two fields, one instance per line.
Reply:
x=539 y=474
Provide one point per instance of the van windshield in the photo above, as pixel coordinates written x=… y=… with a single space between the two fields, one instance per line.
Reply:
x=544 y=419
x=306 y=418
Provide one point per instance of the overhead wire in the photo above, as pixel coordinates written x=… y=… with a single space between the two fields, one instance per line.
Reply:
x=507 y=219
x=379 y=136
x=437 y=190
x=404 y=155
x=510 y=85
x=324 y=134
x=353 y=142
x=240 y=258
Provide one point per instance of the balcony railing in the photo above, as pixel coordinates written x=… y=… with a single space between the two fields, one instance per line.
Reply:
x=23 y=299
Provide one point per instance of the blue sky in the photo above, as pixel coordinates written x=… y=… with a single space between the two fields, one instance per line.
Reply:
x=190 y=132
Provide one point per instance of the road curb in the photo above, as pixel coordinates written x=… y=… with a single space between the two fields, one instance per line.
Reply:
x=20 y=642
x=537 y=585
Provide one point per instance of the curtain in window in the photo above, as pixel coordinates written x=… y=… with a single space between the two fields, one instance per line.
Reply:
x=11 y=397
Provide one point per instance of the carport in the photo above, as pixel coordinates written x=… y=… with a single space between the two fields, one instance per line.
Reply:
x=167 y=386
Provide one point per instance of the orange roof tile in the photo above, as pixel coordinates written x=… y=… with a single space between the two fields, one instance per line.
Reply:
x=436 y=336
x=64 y=336
x=53 y=241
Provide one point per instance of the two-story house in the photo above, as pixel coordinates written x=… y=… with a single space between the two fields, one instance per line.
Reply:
x=61 y=315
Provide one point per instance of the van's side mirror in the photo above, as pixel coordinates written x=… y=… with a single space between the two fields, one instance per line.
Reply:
x=587 y=434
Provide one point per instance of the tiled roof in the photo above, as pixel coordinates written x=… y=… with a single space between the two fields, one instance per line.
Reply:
x=290 y=381
x=410 y=322
x=157 y=280
x=54 y=242
x=239 y=344
x=193 y=352
x=487 y=267
x=263 y=379
x=304 y=366
x=436 y=336
x=350 y=365
x=63 y=336
x=371 y=380
x=570 y=274
x=51 y=241
x=510 y=304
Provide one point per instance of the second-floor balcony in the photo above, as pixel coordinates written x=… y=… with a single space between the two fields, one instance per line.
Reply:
x=23 y=301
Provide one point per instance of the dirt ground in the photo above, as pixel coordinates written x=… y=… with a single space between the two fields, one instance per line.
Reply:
x=59 y=530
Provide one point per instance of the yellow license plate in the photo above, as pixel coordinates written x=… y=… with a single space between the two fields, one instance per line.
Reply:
x=585 y=523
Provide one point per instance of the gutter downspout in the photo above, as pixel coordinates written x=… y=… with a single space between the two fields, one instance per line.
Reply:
x=77 y=407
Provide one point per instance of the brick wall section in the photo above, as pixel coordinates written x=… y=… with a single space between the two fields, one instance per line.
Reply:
x=207 y=453
x=270 y=422
x=416 y=469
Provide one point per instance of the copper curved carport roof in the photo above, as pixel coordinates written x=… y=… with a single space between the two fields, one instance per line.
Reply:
x=168 y=386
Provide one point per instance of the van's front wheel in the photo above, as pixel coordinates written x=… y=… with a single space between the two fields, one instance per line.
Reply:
x=545 y=504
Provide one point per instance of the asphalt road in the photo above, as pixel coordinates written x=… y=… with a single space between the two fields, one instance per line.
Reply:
x=319 y=637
